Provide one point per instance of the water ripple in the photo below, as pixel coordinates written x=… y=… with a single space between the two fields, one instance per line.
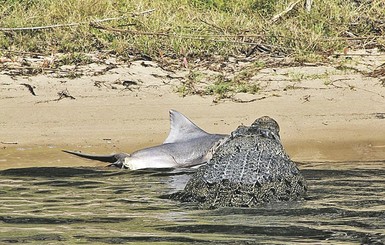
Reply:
x=86 y=205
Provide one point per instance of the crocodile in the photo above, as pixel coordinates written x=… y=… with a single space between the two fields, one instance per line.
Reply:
x=248 y=168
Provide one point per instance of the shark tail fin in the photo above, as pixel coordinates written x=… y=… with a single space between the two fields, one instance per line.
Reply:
x=103 y=158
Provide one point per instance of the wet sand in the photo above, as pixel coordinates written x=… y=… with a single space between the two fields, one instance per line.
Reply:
x=319 y=122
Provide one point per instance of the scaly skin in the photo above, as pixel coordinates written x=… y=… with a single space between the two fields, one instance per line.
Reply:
x=249 y=168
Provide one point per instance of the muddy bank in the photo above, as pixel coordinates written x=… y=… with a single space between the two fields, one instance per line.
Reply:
x=325 y=114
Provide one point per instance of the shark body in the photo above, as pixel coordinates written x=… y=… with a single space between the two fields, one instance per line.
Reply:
x=187 y=145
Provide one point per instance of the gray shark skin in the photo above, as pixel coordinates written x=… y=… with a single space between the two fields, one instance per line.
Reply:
x=187 y=145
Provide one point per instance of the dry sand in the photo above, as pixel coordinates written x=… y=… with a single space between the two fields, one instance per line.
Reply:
x=325 y=114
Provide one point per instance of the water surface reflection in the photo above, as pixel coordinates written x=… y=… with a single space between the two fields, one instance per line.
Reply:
x=345 y=205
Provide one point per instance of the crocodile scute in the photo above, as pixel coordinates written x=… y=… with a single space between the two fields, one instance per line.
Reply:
x=248 y=168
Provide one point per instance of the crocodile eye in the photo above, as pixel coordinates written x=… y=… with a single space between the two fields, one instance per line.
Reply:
x=265 y=133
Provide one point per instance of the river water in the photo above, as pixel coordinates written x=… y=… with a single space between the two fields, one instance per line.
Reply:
x=345 y=205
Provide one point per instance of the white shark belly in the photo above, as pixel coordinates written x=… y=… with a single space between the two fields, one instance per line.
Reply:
x=170 y=155
x=193 y=152
x=153 y=157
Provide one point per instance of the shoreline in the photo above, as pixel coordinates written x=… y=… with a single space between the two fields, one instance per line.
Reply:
x=318 y=122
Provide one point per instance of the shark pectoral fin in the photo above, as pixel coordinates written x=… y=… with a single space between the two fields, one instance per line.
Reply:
x=193 y=165
x=120 y=161
x=118 y=164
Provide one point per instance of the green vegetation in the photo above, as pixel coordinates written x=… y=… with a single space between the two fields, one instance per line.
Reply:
x=77 y=58
x=189 y=27
x=299 y=76
x=219 y=85
x=172 y=30
x=226 y=88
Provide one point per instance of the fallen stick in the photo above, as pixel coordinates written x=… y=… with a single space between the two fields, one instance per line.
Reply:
x=192 y=36
x=34 y=28
x=8 y=143
x=357 y=54
x=64 y=94
x=288 y=9
x=207 y=38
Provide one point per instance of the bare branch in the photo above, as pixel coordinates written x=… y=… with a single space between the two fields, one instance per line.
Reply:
x=208 y=38
x=35 y=28
x=288 y=9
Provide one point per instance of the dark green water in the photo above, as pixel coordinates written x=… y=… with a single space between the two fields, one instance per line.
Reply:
x=345 y=205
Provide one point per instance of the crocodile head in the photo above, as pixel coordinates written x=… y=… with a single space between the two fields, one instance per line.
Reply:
x=264 y=126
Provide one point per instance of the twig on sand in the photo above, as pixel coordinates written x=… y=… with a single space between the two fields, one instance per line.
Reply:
x=378 y=72
x=8 y=143
x=64 y=94
x=288 y=9
x=30 y=88
x=237 y=100
x=35 y=28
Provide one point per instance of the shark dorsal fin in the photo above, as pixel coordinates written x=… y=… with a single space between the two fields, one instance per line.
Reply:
x=182 y=129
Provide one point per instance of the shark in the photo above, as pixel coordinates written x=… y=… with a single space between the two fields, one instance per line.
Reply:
x=186 y=146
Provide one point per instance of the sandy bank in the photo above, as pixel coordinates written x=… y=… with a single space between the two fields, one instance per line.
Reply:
x=339 y=117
